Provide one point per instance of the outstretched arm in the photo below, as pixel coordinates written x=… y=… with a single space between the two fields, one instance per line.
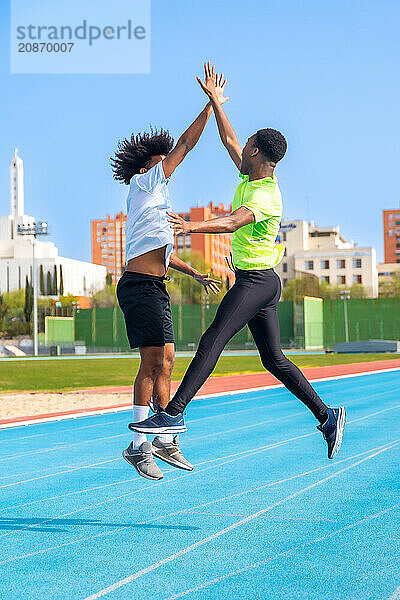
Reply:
x=212 y=83
x=191 y=136
x=206 y=281
x=241 y=216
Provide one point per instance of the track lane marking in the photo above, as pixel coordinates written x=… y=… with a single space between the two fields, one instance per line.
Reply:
x=211 y=582
x=221 y=532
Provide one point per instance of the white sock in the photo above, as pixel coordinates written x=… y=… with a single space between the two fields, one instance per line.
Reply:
x=166 y=438
x=140 y=413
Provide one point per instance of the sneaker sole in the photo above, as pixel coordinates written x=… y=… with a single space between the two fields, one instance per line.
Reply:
x=170 y=461
x=156 y=430
x=125 y=455
x=339 y=431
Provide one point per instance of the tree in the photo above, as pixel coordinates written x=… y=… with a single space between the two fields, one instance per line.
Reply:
x=3 y=311
x=185 y=290
x=61 y=282
x=28 y=300
x=48 y=284
x=391 y=288
x=357 y=290
x=55 y=284
x=105 y=297
x=109 y=279
x=41 y=281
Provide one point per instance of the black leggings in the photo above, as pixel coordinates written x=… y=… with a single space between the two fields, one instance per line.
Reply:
x=253 y=299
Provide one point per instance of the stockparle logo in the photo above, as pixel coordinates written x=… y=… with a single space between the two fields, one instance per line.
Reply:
x=80 y=37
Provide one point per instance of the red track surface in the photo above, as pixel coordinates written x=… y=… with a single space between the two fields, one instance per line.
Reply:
x=217 y=385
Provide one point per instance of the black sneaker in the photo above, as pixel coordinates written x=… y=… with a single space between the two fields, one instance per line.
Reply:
x=333 y=428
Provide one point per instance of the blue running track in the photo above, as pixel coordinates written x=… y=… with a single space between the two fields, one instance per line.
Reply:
x=264 y=515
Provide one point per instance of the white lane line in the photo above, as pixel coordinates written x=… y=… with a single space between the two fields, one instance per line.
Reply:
x=60 y=431
x=58 y=473
x=221 y=532
x=97 y=439
x=252 y=408
x=202 y=397
x=247 y=452
x=396 y=594
x=256 y=565
x=190 y=509
x=193 y=438
x=237 y=456
x=274 y=483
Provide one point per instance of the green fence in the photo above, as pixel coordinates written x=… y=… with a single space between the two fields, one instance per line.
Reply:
x=368 y=319
x=105 y=327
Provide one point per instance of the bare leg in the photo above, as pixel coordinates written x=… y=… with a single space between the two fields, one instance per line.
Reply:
x=151 y=366
x=162 y=386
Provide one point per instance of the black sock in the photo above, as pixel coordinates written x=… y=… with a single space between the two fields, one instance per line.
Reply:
x=171 y=411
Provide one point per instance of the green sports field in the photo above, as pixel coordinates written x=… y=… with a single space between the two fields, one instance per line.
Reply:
x=64 y=375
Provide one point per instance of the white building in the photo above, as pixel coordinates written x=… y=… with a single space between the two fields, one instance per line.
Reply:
x=323 y=252
x=16 y=251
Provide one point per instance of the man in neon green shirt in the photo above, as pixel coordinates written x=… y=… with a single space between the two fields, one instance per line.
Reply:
x=253 y=299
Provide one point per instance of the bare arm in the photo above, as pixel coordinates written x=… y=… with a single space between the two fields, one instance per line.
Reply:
x=206 y=281
x=212 y=82
x=238 y=218
x=186 y=142
x=191 y=136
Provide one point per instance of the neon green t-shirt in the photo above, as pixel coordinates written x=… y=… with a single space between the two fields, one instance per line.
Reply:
x=253 y=245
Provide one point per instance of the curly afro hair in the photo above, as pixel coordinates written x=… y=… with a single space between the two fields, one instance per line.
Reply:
x=134 y=154
x=271 y=143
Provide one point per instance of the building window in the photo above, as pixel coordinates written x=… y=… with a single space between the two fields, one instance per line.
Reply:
x=284 y=267
x=324 y=279
x=284 y=236
x=309 y=265
x=357 y=279
x=180 y=242
x=390 y=231
x=324 y=264
x=356 y=263
x=390 y=217
x=188 y=241
x=341 y=280
x=341 y=263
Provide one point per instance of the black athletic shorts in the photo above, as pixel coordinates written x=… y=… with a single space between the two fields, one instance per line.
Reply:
x=144 y=300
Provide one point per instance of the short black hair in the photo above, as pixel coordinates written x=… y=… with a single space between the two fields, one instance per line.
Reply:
x=271 y=143
x=134 y=154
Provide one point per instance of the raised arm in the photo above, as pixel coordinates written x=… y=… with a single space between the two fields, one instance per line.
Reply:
x=212 y=83
x=191 y=136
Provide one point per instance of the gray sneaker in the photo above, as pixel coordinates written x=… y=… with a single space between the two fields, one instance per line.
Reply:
x=143 y=461
x=170 y=453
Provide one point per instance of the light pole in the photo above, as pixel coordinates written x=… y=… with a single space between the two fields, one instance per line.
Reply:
x=345 y=295
x=34 y=229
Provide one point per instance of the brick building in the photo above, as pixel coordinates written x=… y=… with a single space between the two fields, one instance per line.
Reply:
x=108 y=242
x=212 y=247
x=391 y=235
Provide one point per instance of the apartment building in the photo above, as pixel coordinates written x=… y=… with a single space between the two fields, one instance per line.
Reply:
x=391 y=235
x=213 y=248
x=108 y=244
x=322 y=251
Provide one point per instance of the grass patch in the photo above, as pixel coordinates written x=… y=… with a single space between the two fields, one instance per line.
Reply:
x=63 y=375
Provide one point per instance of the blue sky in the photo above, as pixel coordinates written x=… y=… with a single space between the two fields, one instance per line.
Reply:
x=324 y=73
